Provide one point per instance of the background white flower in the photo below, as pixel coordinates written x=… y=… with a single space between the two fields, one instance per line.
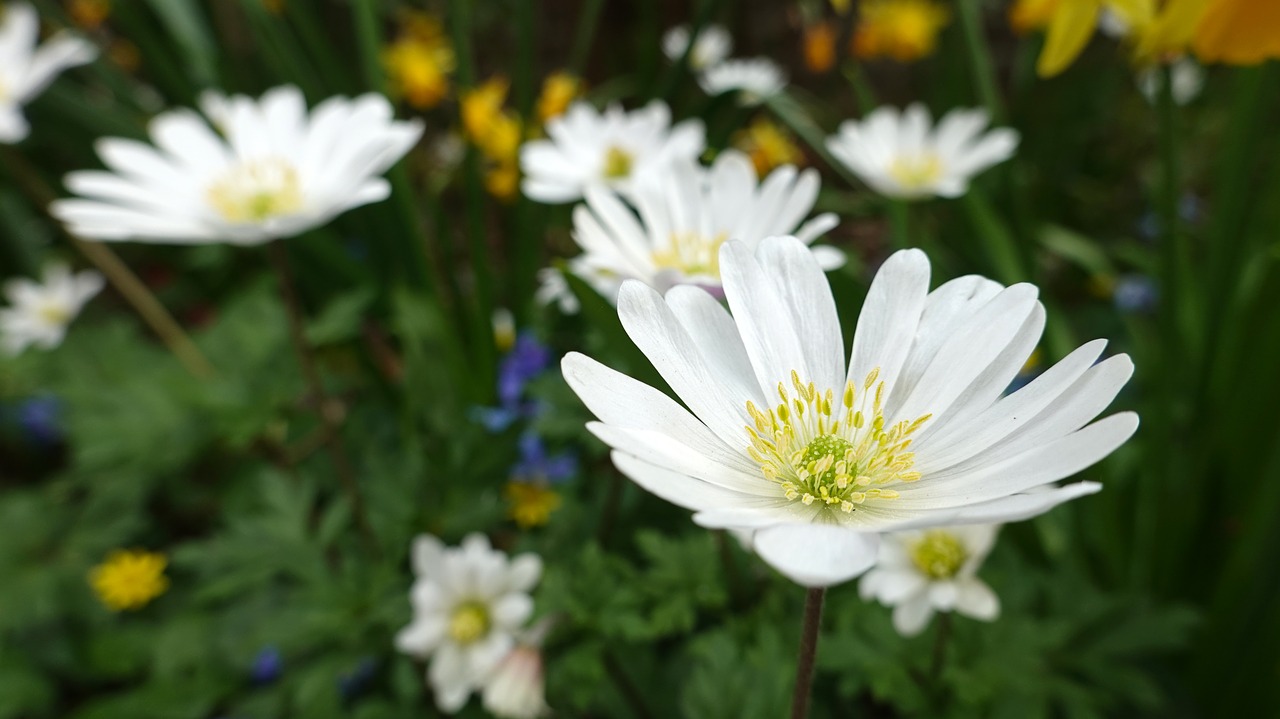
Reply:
x=900 y=155
x=26 y=70
x=516 y=689
x=1187 y=76
x=675 y=234
x=468 y=604
x=711 y=47
x=618 y=149
x=754 y=79
x=919 y=572
x=274 y=172
x=39 y=312
x=817 y=454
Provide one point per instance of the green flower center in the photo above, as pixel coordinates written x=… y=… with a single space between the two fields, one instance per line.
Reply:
x=469 y=622
x=939 y=554
x=257 y=191
x=617 y=163
x=917 y=171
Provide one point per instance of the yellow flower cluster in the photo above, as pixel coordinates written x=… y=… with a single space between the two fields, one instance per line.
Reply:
x=129 y=579
x=768 y=146
x=530 y=504
x=1238 y=32
x=420 y=61
x=903 y=30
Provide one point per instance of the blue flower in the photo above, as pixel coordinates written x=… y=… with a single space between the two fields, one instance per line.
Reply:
x=267 y=666
x=535 y=465
x=40 y=419
x=1136 y=293
x=526 y=360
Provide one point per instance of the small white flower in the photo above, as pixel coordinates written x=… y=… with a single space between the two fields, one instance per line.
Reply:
x=711 y=47
x=274 y=172
x=755 y=80
x=899 y=155
x=516 y=689
x=40 y=312
x=615 y=149
x=920 y=572
x=818 y=453
x=25 y=70
x=683 y=220
x=552 y=287
x=468 y=604
x=1187 y=76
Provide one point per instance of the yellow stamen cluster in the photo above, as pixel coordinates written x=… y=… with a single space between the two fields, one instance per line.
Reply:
x=469 y=622
x=915 y=171
x=834 y=450
x=129 y=579
x=691 y=253
x=617 y=163
x=54 y=313
x=257 y=191
x=939 y=554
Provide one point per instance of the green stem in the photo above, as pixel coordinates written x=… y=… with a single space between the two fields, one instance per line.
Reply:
x=588 y=18
x=786 y=109
x=862 y=89
x=980 y=64
x=805 y=660
x=899 y=211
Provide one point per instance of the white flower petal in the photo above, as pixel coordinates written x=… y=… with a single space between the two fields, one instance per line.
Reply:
x=910 y=618
x=890 y=315
x=976 y=600
x=816 y=555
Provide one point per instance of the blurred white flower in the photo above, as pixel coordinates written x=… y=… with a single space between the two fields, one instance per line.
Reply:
x=552 y=287
x=618 y=149
x=755 y=80
x=26 y=70
x=711 y=47
x=39 y=312
x=920 y=572
x=899 y=155
x=818 y=455
x=516 y=689
x=468 y=604
x=1187 y=76
x=682 y=221
x=275 y=171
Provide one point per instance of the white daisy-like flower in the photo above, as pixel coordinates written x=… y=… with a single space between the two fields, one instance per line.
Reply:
x=271 y=170
x=899 y=155
x=920 y=572
x=553 y=288
x=517 y=688
x=468 y=604
x=39 y=312
x=710 y=48
x=817 y=455
x=25 y=69
x=755 y=80
x=614 y=148
x=675 y=236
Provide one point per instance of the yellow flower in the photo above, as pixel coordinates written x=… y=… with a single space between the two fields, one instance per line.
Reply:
x=1239 y=32
x=89 y=14
x=1028 y=15
x=1158 y=32
x=530 y=504
x=820 y=47
x=129 y=579
x=503 y=181
x=419 y=62
x=558 y=90
x=904 y=30
x=768 y=146
x=481 y=106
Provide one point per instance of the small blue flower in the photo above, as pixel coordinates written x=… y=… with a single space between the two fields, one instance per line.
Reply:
x=535 y=465
x=267 y=666
x=526 y=360
x=1136 y=293
x=40 y=419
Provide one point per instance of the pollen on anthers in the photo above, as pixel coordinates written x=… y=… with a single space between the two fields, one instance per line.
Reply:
x=836 y=451
x=257 y=191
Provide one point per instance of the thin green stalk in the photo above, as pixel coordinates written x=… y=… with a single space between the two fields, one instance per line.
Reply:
x=980 y=64
x=862 y=89
x=899 y=223
x=786 y=109
x=365 y=15
x=806 y=659
x=585 y=33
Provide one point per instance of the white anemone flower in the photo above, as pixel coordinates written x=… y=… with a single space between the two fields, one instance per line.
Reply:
x=617 y=149
x=273 y=172
x=517 y=688
x=710 y=48
x=39 y=312
x=468 y=603
x=755 y=80
x=900 y=156
x=25 y=69
x=817 y=455
x=923 y=571
x=681 y=223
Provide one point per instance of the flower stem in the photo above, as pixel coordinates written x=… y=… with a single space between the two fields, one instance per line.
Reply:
x=980 y=65
x=808 y=652
x=330 y=412
x=899 y=224
x=940 y=647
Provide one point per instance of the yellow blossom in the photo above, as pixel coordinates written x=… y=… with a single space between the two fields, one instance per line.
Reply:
x=1158 y=31
x=1028 y=15
x=558 y=90
x=481 y=106
x=89 y=14
x=768 y=146
x=129 y=579
x=904 y=30
x=503 y=181
x=1239 y=32
x=530 y=504
x=419 y=62
x=820 y=47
